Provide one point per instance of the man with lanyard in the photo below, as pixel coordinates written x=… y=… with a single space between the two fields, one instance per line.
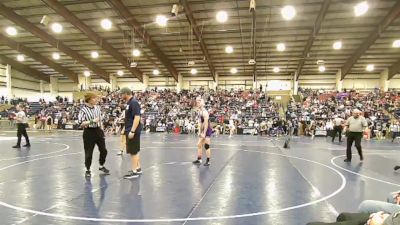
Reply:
x=205 y=132
x=133 y=128
x=90 y=120
x=21 y=125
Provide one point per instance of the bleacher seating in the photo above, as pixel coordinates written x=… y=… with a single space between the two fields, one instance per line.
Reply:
x=35 y=107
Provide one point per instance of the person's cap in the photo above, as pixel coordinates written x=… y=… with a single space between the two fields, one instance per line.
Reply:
x=126 y=91
x=356 y=111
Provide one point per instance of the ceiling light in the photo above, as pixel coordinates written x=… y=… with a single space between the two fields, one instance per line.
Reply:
x=370 y=67
x=86 y=73
x=233 y=70
x=20 y=58
x=106 y=24
x=281 y=47
x=396 y=44
x=120 y=73
x=56 y=27
x=228 y=49
x=136 y=52
x=94 y=54
x=222 y=16
x=321 y=68
x=276 y=69
x=337 y=45
x=56 y=56
x=161 y=20
x=288 y=12
x=11 y=31
x=193 y=71
x=361 y=8
x=156 y=72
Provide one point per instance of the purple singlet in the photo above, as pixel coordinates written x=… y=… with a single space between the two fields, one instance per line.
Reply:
x=209 y=129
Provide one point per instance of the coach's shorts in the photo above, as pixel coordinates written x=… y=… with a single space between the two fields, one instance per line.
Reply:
x=133 y=145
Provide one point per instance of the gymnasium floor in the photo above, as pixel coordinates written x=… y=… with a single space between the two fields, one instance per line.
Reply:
x=251 y=181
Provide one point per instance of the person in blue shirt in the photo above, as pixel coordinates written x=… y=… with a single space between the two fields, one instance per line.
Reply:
x=133 y=128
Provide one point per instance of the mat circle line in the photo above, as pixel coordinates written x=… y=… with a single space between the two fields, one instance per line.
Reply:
x=365 y=176
x=324 y=198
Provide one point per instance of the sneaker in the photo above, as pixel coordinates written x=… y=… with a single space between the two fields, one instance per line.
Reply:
x=27 y=145
x=16 y=146
x=396 y=167
x=131 y=175
x=120 y=153
x=198 y=161
x=361 y=158
x=88 y=173
x=104 y=170
x=139 y=171
x=207 y=163
x=347 y=160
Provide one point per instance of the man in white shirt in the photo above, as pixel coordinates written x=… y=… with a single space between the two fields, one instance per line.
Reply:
x=337 y=128
x=395 y=128
x=21 y=121
x=355 y=126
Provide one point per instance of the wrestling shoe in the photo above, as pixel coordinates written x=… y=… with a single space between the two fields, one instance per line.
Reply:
x=131 y=175
x=104 y=170
x=197 y=162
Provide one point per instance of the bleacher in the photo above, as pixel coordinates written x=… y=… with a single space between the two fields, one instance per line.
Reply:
x=35 y=107
x=396 y=113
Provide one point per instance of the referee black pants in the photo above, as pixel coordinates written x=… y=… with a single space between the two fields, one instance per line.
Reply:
x=22 y=132
x=354 y=137
x=337 y=129
x=92 y=137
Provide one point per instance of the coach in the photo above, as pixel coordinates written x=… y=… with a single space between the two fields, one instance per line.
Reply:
x=133 y=128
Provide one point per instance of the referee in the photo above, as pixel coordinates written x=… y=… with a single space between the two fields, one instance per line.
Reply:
x=337 y=128
x=21 y=125
x=133 y=128
x=90 y=120
x=355 y=127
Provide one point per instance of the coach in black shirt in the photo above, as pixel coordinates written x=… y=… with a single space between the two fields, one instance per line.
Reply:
x=133 y=127
x=89 y=118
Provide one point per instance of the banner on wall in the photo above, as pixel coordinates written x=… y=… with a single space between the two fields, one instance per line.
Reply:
x=278 y=85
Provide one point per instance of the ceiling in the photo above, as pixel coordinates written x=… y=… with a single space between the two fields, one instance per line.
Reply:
x=195 y=35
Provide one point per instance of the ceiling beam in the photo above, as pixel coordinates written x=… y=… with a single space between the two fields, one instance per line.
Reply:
x=38 y=57
x=393 y=14
x=394 y=69
x=313 y=35
x=75 y=21
x=197 y=33
x=124 y=12
x=24 y=69
x=254 y=34
x=9 y=14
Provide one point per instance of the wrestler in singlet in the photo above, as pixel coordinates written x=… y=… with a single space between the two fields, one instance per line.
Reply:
x=205 y=132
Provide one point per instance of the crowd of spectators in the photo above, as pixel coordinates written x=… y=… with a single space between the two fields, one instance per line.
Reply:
x=166 y=110
x=232 y=112
x=315 y=113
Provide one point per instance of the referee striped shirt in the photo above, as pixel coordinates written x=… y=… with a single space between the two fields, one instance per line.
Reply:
x=88 y=113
